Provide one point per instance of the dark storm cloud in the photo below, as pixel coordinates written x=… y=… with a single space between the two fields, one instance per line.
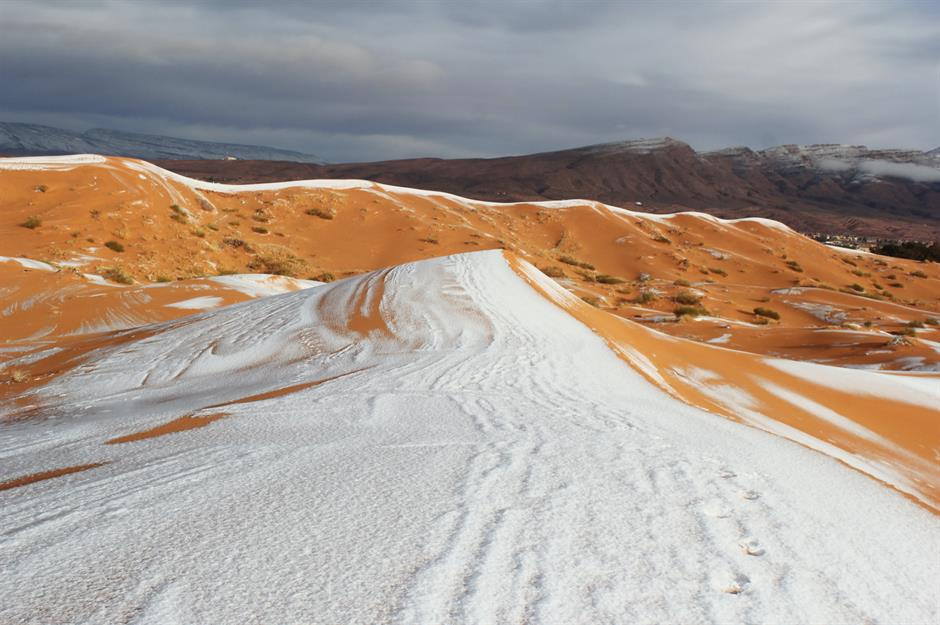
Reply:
x=374 y=80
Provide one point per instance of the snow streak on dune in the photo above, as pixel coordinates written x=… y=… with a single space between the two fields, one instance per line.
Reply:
x=432 y=443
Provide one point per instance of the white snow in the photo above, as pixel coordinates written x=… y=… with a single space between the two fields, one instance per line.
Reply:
x=263 y=284
x=198 y=303
x=28 y=263
x=487 y=460
x=50 y=162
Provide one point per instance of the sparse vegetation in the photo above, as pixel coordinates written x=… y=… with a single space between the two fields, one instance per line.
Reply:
x=915 y=323
x=645 y=297
x=326 y=276
x=687 y=298
x=553 y=271
x=569 y=260
x=917 y=273
x=42 y=188
x=431 y=240
x=689 y=311
x=934 y=321
x=855 y=286
x=910 y=249
x=32 y=222
x=592 y=300
x=661 y=239
x=116 y=274
x=18 y=376
x=681 y=282
x=277 y=260
x=114 y=245
x=319 y=212
x=606 y=279
x=259 y=229
x=795 y=266
x=770 y=313
x=164 y=278
x=718 y=271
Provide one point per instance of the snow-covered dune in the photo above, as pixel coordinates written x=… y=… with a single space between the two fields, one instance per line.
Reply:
x=437 y=442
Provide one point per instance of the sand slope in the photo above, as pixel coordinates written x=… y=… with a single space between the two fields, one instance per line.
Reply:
x=437 y=442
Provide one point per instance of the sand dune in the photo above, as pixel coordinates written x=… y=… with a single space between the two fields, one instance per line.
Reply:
x=522 y=431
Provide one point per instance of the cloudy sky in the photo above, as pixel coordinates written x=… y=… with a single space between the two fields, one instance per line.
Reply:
x=377 y=79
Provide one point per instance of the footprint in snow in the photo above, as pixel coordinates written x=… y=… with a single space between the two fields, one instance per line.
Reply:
x=727 y=474
x=750 y=494
x=751 y=547
x=732 y=583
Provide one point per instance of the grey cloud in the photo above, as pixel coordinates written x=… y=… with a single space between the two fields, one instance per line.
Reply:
x=363 y=81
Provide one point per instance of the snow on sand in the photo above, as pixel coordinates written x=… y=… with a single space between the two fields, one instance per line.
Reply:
x=436 y=443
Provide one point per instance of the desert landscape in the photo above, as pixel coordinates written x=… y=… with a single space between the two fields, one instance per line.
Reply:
x=440 y=390
x=542 y=312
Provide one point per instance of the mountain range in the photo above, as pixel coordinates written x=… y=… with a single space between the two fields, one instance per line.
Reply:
x=32 y=139
x=831 y=189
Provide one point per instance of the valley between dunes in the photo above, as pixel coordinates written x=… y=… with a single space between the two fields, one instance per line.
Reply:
x=342 y=401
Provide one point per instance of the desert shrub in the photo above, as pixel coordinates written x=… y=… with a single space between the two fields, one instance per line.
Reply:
x=686 y=298
x=592 y=300
x=261 y=216
x=644 y=277
x=849 y=262
x=605 y=279
x=661 y=239
x=164 y=278
x=918 y=274
x=760 y=311
x=910 y=249
x=904 y=332
x=32 y=222
x=179 y=217
x=553 y=272
x=570 y=260
x=431 y=240
x=42 y=188
x=689 y=311
x=795 y=266
x=199 y=232
x=319 y=212
x=326 y=276
x=718 y=271
x=645 y=297
x=213 y=227
x=233 y=242
x=587 y=276
x=915 y=323
x=259 y=229
x=116 y=274
x=114 y=245
x=277 y=260
x=855 y=286
x=681 y=282
x=860 y=273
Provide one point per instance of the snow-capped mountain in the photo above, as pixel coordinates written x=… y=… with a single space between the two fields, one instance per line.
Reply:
x=24 y=139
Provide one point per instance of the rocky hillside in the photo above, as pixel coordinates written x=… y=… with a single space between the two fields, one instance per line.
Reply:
x=822 y=188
